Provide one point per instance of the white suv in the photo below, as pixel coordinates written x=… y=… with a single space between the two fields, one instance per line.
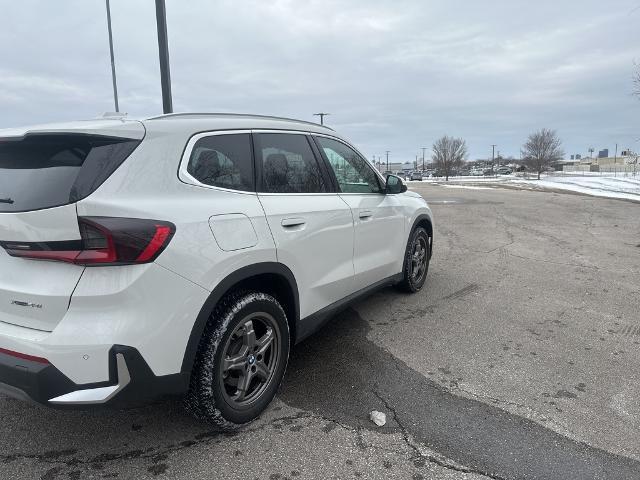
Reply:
x=185 y=254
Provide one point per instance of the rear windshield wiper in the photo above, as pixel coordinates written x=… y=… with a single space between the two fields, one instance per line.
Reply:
x=6 y=200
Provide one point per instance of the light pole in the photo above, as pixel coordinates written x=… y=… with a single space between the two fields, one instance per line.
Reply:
x=321 y=115
x=423 y=150
x=163 y=51
x=493 y=154
x=113 y=63
x=387 y=153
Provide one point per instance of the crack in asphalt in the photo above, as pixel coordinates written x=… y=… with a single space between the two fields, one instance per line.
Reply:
x=419 y=456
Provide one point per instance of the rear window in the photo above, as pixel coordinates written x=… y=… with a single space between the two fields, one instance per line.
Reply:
x=43 y=171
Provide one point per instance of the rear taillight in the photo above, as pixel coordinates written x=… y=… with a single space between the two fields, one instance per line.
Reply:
x=104 y=241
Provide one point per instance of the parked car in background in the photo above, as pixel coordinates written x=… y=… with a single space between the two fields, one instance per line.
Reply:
x=417 y=175
x=170 y=256
x=386 y=173
x=504 y=171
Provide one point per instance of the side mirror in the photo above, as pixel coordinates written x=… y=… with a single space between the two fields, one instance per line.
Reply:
x=394 y=185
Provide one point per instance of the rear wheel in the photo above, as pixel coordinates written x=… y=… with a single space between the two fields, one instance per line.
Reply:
x=416 y=261
x=241 y=360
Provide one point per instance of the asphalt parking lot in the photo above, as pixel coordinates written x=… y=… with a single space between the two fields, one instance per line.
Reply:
x=519 y=359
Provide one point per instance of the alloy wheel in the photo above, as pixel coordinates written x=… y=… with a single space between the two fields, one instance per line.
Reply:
x=419 y=257
x=250 y=358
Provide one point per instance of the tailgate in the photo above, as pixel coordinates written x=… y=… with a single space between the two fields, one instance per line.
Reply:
x=33 y=293
x=44 y=171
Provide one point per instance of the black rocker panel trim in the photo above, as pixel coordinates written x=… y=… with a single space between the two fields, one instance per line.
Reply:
x=315 y=321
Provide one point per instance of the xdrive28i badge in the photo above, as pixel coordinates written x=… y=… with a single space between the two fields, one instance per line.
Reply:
x=26 y=304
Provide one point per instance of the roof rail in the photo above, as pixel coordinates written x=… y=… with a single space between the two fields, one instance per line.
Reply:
x=245 y=115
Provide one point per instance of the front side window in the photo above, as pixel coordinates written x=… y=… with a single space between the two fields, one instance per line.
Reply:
x=353 y=173
x=288 y=164
x=223 y=161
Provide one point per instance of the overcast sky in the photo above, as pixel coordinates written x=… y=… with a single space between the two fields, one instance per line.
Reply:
x=395 y=75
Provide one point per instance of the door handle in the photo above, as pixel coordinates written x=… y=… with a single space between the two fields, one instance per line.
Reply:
x=364 y=214
x=293 y=222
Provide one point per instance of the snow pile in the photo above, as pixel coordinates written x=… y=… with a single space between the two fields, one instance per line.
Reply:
x=611 y=187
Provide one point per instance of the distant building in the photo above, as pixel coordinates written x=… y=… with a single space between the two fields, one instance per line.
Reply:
x=604 y=153
x=621 y=164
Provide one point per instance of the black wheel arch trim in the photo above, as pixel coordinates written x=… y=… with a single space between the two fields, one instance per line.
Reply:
x=224 y=287
x=419 y=219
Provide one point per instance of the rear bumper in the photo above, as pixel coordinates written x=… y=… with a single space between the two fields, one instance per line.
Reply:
x=131 y=382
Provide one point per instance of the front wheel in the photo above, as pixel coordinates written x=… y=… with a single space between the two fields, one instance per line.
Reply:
x=416 y=261
x=241 y=360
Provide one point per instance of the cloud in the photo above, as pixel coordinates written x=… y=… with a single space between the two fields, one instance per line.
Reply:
x=394 y=74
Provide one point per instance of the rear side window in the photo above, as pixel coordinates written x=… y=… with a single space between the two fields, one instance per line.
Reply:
x=49 y=170
x=288 y=164
x=223 y=161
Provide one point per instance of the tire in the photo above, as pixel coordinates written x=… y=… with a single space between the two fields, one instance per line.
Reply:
x=412 y=282
x=237 y=369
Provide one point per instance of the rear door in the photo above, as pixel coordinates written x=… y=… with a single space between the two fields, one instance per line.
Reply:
x=379 y=240
x=311 y=225
x=42 y=175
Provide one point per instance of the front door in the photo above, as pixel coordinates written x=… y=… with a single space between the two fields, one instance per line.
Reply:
x=379 y=239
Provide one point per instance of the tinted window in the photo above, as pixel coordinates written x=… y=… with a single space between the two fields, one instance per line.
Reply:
x=223 y=161
x=353 y=173
x=288 y=164
x=42 y=171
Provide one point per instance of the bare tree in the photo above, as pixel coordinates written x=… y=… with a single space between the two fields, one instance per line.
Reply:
x=449 y=153
x=542 y=149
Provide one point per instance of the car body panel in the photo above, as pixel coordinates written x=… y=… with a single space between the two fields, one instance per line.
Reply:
x=36 y=294
x=313 y=234
x=379 y=222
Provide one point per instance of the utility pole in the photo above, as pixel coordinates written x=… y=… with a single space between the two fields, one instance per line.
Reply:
x=113 y=63
x=163 y=51
x=615 y=157
x=321 y=115
x=423 y=150
x=387 y=153
x=493 y=154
